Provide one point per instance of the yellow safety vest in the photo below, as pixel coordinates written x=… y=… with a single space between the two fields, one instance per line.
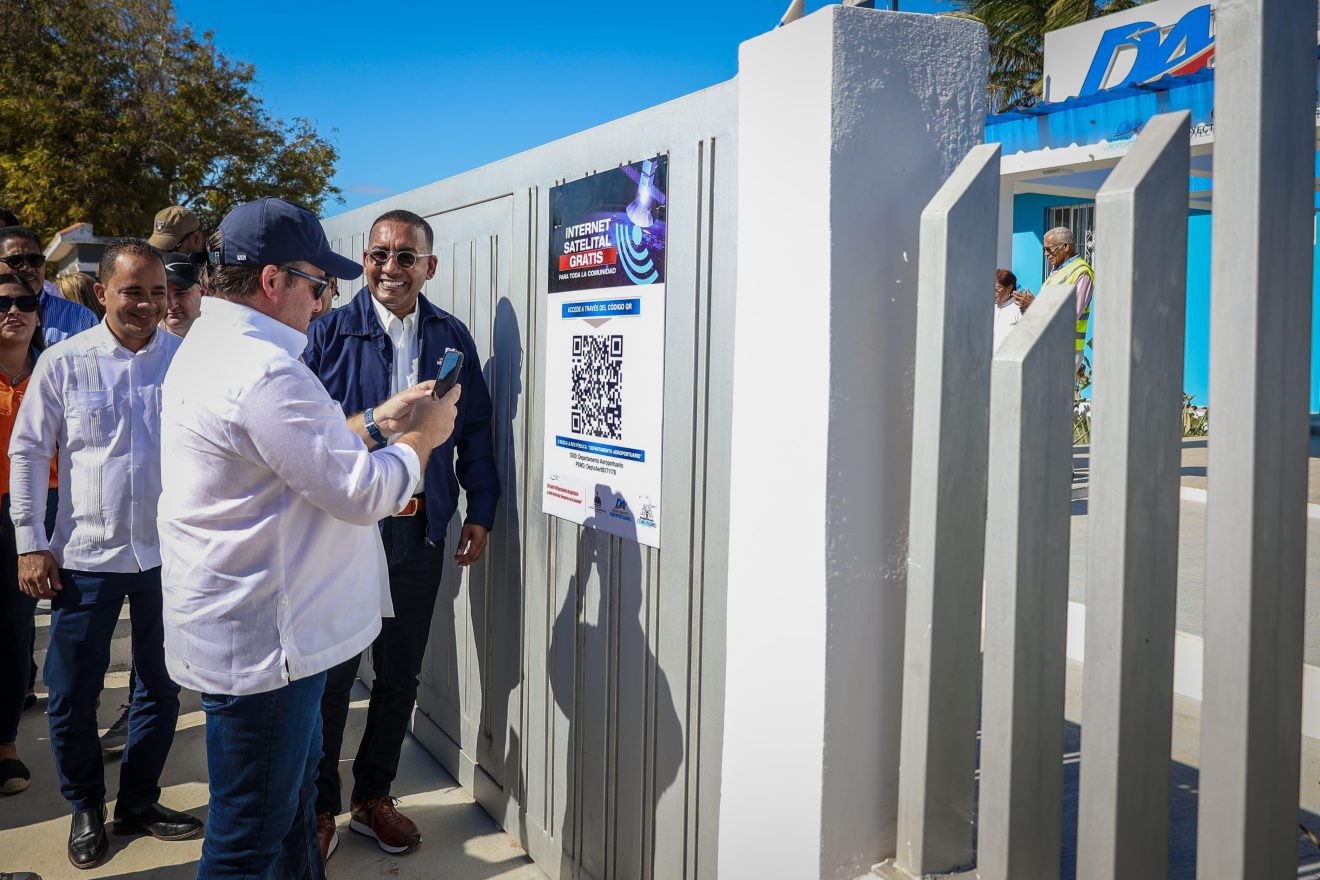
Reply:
x=1067 y=275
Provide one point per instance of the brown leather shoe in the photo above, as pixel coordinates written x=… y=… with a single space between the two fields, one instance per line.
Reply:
x=328 y=834
x=377 y=818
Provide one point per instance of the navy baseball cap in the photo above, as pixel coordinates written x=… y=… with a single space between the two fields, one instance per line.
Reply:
x=273 y=231
x=180 y=270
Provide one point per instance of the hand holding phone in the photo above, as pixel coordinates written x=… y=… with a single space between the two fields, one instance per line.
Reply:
x=451 y=366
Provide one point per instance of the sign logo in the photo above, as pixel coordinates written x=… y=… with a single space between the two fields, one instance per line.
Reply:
x=1187 y=47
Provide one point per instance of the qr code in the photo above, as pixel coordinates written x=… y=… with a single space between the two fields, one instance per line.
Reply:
x=598 y=386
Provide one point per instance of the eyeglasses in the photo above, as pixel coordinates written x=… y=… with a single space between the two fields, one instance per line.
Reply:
x=1053 y=247
x=405 y=258
x=35 y=261
x=26 y=303
x=318 y=284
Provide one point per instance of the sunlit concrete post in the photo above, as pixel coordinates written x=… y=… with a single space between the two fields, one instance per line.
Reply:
x=849 y=121
x=946 y=532
x=1260 y=337
x=1132 y=569
x=1026 y=609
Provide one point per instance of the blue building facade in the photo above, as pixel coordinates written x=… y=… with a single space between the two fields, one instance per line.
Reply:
x=1057 y=154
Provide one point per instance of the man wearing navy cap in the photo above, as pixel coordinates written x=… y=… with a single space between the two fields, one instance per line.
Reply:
x=184 y=301
x=273 y=566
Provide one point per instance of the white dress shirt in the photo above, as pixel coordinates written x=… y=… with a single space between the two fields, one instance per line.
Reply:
x=273 y=564
x=403 y=336
x=407 y=356
x=100 y=404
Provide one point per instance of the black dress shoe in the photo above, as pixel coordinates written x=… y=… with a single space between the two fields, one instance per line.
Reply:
x=160 y=822
x=88 y=845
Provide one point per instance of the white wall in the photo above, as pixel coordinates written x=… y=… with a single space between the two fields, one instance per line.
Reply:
x=849 y=120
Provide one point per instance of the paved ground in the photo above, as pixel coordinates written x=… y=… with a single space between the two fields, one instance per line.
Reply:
x=1191 y=547
x=1187 y=712
x=1184 y=785
x=460 y=842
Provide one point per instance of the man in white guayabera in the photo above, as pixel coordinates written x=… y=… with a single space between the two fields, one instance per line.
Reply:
x=273 y=566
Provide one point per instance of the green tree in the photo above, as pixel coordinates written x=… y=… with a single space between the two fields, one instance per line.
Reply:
x=112 y=109
x=1017 y=39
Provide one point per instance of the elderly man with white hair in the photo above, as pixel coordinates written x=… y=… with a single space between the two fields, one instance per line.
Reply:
x=1068 y=268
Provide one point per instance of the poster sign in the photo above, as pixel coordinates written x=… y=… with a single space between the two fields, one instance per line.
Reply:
x=605 y=349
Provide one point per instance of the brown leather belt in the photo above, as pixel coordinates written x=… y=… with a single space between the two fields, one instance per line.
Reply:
x=415 y=505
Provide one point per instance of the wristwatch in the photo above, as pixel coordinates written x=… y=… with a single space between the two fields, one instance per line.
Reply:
x=373 y=430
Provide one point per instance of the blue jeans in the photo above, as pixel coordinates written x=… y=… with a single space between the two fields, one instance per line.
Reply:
x=82 y=625
x=261 y=752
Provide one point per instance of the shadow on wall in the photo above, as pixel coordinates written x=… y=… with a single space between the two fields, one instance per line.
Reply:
x=607 y=681
x=500 y=615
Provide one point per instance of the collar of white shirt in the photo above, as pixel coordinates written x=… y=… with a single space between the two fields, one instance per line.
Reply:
x=101 y=337
x=388 y=319
x=253 y=323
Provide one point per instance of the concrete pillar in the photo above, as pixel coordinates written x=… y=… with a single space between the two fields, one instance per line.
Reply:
x=1004 y=249
x=849 y=121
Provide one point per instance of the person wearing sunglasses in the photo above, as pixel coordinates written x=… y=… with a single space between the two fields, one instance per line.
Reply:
x=387 y=338
x=274 y=571
x=19 y=327
x=21 y=254
x=94 y=404
x=328 y=299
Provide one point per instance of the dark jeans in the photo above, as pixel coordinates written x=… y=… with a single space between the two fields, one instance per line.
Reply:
x=396 y=656
x=16 y=614
x=82 y=625
x=261 y=753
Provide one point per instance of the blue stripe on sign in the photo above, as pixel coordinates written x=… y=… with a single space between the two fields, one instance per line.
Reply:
x=603 y=308
x=600 y=448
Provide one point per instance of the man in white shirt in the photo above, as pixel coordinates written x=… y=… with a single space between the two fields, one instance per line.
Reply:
x=273 y=566
x=94 y=400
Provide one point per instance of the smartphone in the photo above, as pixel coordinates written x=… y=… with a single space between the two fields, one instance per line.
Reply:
x=451 y=365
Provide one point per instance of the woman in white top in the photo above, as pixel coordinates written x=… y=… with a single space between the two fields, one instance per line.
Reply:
x=1007 y=310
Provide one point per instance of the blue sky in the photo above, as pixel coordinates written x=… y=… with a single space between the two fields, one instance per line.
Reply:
x=412 y=93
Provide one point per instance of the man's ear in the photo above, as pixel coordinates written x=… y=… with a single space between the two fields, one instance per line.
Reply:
x=269 y=282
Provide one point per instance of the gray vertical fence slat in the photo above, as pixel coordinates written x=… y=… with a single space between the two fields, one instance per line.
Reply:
x=947 y=527
x=1260 y=335
x=1026 y=607
x=1132 y=577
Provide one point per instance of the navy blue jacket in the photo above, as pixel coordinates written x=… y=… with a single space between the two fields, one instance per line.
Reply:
x=351 y=354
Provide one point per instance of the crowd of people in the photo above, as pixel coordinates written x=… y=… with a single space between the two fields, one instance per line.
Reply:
x=267 y=483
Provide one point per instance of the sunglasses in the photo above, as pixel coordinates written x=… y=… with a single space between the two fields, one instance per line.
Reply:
x=406 y=259
x=35 y=261
x=318 y=284
x=26 y=303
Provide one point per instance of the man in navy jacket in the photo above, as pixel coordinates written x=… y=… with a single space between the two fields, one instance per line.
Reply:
x=386 y=339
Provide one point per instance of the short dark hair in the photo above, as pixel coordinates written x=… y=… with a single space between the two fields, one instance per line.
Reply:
x=134 y=247
x=413 y=220
x=11 y=232
x=1006 y=278
x=8 y=218
x=227 y=282
x=9 y=278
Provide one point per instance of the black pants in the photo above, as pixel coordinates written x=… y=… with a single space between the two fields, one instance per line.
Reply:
x=16 y=615
x=396 y=655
